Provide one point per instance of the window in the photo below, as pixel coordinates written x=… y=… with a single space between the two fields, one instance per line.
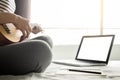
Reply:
x=67 y=20
x=111 y=19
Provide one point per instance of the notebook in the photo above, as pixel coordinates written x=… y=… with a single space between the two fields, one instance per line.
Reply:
x=93 y=50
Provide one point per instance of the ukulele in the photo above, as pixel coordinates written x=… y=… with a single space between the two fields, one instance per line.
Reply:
x=9 y=34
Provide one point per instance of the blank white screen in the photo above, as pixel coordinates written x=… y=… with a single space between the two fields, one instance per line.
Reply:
x=95 y=48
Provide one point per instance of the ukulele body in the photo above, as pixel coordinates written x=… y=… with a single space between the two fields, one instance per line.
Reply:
x=9 y=34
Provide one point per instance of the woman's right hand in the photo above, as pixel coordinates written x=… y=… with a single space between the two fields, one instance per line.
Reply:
x=23 y=25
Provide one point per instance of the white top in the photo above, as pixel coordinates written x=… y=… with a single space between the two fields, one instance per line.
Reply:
x=7 y=6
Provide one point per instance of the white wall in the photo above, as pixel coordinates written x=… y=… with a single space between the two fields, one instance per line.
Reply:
x=69 y=51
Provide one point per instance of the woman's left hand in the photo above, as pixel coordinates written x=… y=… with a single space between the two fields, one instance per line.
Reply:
x=36 y=28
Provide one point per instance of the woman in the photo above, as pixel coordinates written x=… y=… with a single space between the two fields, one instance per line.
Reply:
x=26 y=56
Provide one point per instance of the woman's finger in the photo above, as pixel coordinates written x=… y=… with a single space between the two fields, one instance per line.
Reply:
x=24 y=33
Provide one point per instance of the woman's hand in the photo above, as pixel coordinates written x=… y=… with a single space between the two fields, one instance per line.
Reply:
x=23 y=25
x=36 y=28
x=19 y=22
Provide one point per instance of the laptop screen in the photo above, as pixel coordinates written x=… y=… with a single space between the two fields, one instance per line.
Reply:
x=95 y=48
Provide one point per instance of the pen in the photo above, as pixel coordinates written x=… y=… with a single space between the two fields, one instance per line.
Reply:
x=85 y=71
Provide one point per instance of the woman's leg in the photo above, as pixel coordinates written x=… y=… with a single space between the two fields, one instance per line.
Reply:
x=25 y=57
x=45 y=38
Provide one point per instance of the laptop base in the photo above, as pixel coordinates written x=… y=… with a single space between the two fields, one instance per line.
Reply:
x=76 y=63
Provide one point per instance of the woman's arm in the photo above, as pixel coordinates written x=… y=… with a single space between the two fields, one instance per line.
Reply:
x=19 y=22
x=7 y=18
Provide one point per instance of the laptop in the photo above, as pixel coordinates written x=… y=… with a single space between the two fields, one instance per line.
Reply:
x=93 y=50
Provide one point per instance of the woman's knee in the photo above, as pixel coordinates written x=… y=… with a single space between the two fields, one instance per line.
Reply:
x=46 y=39
x=43 y=56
